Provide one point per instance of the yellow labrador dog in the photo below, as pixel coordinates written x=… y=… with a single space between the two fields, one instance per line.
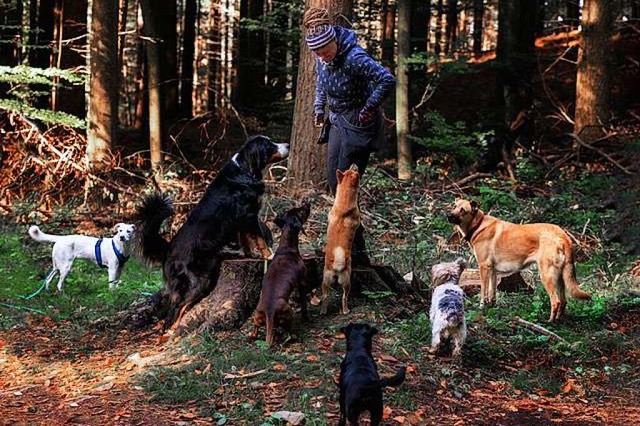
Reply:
x=501 y=246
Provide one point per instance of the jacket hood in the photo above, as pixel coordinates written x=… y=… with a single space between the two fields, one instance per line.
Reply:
x=346 y=40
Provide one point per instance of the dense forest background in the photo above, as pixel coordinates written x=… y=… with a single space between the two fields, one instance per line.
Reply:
x=170 y=79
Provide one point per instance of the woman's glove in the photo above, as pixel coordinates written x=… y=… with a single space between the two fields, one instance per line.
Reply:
x=318 y=120
x=366 y=115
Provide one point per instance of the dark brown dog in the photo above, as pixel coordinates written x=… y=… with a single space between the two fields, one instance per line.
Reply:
x=344 y=219
x=501 y=246
x=360 y=385
x=285 y=274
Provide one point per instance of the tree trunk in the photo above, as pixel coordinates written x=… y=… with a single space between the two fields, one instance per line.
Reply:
x=188 y=57
x=388 y=19
x=10 y=33
x=593 y=82
x=438 y=31
x=451 y=29
x=168 y=47
x=478 y=20
x=71 y=99
x=153 y=82
x=307 y=161
x=250 y=87
x=402 y=91
x=103 y=106
x=517 y=25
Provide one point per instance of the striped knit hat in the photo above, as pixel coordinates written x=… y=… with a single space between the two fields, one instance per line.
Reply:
x=320 y=35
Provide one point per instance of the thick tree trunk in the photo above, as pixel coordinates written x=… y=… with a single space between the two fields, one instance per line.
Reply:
x=153 y=82
x=10 y=22
x=437 y=48
x=307 y=161
x=402 y=91
x=103 y=107
x=593 y=82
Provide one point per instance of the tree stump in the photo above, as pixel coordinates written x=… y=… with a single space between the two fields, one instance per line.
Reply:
x=236 y=295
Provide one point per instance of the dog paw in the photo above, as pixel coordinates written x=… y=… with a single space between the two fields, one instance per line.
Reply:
x=433 y=350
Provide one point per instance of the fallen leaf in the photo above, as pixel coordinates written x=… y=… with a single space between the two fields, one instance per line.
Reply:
x=386 y=413
x=280 y=367
x=388 y=358
x=312 y=358
x=399 y=419
x=293 y=418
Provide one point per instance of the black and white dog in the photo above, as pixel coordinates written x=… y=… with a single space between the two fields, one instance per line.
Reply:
x=228 y=211
x=360 y=385
x=111 y=253
x=447 y=306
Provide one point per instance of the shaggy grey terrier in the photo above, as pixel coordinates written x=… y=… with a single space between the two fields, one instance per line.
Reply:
x=447 y=306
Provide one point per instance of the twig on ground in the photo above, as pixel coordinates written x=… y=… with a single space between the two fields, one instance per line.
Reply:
x=467 y=179
x=539 y=329
x=599 y=151
x=244 y=376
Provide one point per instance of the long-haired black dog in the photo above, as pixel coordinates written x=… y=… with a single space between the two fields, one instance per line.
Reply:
x=228 y=210
x=360 y=385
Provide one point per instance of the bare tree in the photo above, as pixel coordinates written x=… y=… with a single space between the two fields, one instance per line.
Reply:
x=103 y=85
x=307 y=162
x=402 y=90
x=153 y=81
x=593 y=82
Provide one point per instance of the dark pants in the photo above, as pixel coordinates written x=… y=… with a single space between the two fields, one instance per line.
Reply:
x=351 y=144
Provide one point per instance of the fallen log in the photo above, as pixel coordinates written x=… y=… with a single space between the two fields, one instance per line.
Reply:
x=508 y=283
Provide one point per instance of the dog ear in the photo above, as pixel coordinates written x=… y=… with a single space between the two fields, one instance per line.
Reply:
x=339 y=176
x=279 y=221
x=474 y=207
x=460 y=261
x=346 y=330
x=117 y=226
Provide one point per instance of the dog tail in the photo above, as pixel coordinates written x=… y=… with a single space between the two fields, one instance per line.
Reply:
x=391 y=381
x=269 y=318
x=149 y=244
x=570 y=280
x=40 y=236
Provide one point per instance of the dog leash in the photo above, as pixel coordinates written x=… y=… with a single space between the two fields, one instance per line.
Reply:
x=37 y=292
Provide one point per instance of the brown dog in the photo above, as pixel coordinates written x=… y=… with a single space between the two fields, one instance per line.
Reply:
x=501 y=246
x=344 y=219
x=286 y=273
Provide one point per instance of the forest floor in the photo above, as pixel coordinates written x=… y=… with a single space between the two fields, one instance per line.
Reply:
x=54 y=372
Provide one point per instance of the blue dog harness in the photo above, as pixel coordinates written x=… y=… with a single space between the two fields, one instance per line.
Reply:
x=122 y=259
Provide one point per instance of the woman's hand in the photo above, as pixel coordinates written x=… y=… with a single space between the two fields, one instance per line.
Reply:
x=366 y=116
x=318 y=120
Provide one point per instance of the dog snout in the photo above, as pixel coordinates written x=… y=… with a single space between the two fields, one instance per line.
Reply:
x=453 y=218
x=283 y=150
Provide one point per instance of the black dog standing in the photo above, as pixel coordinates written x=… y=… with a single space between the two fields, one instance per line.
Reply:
x=360 y=385
x=229 y=209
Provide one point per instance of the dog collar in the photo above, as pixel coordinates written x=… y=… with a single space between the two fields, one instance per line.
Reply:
x=99 y=254
x=471 y=232
x=234 y=160
x=121 y=258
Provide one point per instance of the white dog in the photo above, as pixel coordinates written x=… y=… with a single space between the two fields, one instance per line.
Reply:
x=447 y=306
x=111 y=253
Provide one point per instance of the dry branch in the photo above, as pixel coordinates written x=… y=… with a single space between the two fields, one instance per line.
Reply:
x=539 y=329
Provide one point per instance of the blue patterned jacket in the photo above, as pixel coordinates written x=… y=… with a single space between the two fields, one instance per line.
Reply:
x=352 y=80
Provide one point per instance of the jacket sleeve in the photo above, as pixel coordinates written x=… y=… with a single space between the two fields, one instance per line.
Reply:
x=321 y=94
x=384 y=82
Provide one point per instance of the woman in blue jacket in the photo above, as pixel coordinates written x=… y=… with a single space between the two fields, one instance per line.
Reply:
x=353 y=86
